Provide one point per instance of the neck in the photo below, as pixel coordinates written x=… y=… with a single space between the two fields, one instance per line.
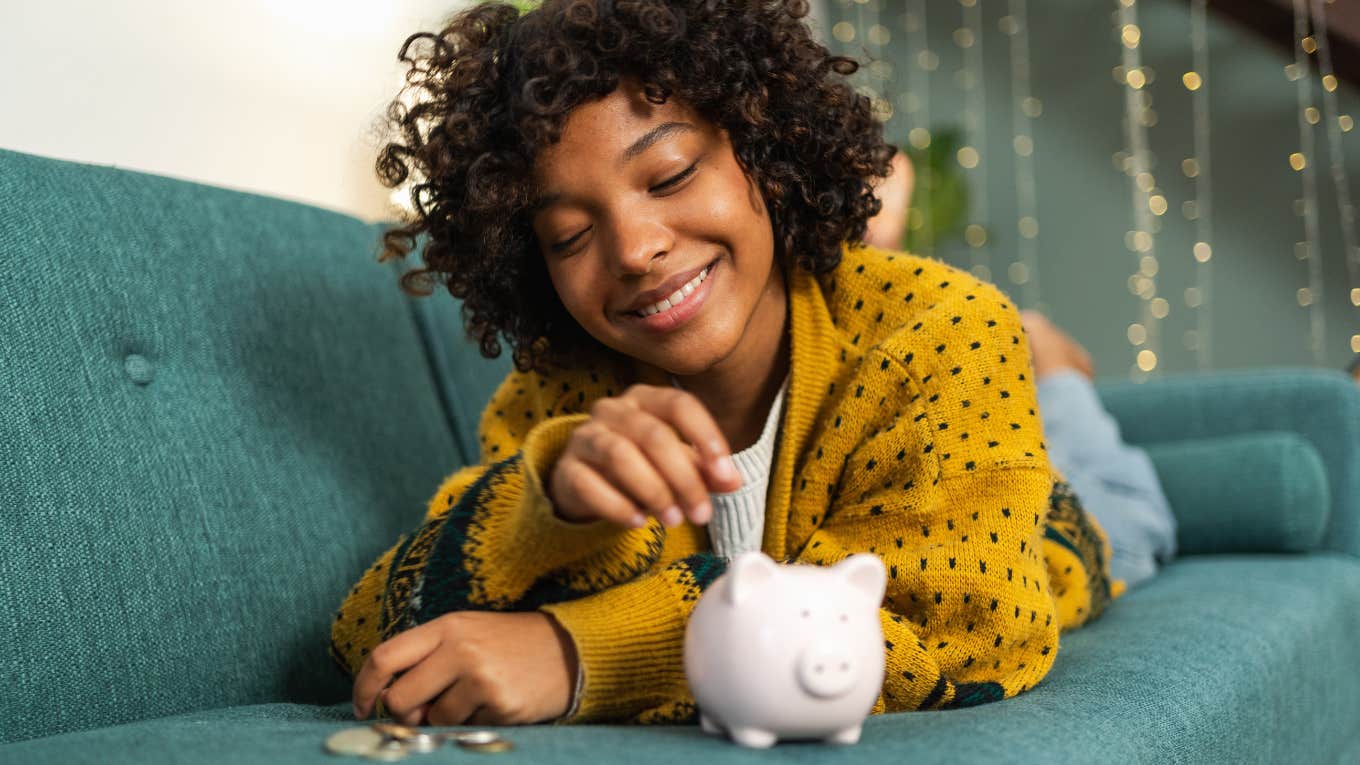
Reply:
x=740 y=389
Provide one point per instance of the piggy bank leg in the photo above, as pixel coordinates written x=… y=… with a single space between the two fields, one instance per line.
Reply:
x=846 y=736
x=708 y=726
x=754 y=738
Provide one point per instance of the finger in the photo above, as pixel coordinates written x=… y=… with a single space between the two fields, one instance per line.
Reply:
x=420 y=685
x=696 y=426
x=619 y=460
x=674 y=462
x=583 y=489
x=484 y=716
x=411 y=718
x=389 y=658
x=456 y=706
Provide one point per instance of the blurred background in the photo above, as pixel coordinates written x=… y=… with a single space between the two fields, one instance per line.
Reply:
x=1169 y=180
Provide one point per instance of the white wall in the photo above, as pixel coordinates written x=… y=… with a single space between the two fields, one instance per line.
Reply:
x=272 y=96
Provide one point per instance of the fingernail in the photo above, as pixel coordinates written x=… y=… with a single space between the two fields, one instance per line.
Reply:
x=725 y=469
x=638 y=521
x=703 y=512
x=672 y=517
x=357 y=716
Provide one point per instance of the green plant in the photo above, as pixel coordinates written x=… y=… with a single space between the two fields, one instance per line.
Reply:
x=939 y=199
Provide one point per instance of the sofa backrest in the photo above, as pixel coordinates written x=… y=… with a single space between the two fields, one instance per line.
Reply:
x=464 y=377
x=1320 y=406
x=215 y=413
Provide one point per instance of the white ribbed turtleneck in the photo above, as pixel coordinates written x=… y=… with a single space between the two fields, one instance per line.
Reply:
x=738 y=523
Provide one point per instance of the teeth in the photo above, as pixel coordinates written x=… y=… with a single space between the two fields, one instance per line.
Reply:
x=677 y=297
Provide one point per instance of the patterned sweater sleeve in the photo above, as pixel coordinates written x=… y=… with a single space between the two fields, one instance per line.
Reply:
x=946 y=480
x=490 y=539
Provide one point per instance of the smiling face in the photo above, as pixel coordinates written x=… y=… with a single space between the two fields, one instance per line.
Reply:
x=657 y=242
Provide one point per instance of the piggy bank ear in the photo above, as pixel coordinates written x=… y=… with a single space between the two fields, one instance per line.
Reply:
x=864 y=572
x=748 y=573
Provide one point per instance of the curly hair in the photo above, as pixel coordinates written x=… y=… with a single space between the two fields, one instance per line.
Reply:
x=485 y=94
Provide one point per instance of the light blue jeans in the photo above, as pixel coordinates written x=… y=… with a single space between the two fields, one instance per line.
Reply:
x=1115 y=482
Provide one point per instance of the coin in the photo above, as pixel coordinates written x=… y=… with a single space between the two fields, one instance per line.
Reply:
x=393 y=730
x=353 y=741
x=390 y=750
x=490 y=747
x=423 y=742
x=473 y=736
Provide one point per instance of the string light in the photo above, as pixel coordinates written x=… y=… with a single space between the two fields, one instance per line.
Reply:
x=969 y=38
x=1137 y=107
x=1200 y=339
x=878 y=71
x=1336 y=124
x=1025 y=271
x=925 y=61
x=1309 y=297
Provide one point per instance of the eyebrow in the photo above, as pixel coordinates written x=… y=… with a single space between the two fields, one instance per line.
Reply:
x=657 y=133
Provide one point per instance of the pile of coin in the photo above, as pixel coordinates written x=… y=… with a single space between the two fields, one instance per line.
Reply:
x=390 y=742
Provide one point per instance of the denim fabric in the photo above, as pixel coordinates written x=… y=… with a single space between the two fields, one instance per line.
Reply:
x=1115 y=482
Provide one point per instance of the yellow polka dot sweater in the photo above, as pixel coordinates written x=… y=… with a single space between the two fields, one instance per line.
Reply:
x=910 y=431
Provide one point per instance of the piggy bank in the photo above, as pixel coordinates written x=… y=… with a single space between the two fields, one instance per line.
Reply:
x=787 y=651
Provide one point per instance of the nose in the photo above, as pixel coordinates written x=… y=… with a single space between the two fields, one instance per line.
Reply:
x=637 y=241
x=826 y=671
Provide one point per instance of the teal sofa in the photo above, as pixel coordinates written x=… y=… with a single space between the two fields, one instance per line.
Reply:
x=216 y=409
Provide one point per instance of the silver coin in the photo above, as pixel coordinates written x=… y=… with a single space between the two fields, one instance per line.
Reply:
x=353 y=741
x=390 y=750
x=423 y=742
x=464 y=737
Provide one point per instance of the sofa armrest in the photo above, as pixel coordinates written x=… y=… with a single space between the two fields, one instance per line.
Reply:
x=1321 y=406
x=1257 y=492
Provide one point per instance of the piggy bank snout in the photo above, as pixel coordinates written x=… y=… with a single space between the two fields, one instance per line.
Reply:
x=826 y=670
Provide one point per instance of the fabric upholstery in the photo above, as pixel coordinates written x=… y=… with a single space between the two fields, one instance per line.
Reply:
x=1322 y=406
x=1256 y=492
x=215 y=411
x=1219 y=659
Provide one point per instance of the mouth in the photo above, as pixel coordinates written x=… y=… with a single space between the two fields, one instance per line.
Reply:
x=678 y=307
x=675 y=298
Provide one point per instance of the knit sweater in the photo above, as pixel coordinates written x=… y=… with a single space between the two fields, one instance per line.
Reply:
x=909 y=431
x=738 y=521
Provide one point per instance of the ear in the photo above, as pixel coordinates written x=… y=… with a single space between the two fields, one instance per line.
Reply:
x=748 y=572
x=864 y=572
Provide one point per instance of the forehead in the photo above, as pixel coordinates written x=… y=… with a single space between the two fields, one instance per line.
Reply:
x=602 y=130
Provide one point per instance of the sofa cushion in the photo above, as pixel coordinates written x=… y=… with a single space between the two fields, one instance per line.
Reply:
x=1255 y=492
x=215 y=412
x=1321 y=405
x=1218 y=659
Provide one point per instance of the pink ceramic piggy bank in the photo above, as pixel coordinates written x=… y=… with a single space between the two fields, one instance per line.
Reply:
x=787 y=651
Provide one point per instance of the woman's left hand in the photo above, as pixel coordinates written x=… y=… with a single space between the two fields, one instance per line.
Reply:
x=472 y=668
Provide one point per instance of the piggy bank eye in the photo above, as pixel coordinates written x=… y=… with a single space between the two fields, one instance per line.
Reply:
x=844 y=618
x=807 y=614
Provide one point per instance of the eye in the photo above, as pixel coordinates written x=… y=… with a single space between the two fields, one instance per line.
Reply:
x=844 y=618
x=563 y=245
x=675 y=180
x=807 y=614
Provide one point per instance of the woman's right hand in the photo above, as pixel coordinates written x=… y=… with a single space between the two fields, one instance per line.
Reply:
x=650 y=451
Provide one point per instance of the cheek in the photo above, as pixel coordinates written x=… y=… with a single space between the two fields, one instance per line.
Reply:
x=735 y=202
x=578 y=287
